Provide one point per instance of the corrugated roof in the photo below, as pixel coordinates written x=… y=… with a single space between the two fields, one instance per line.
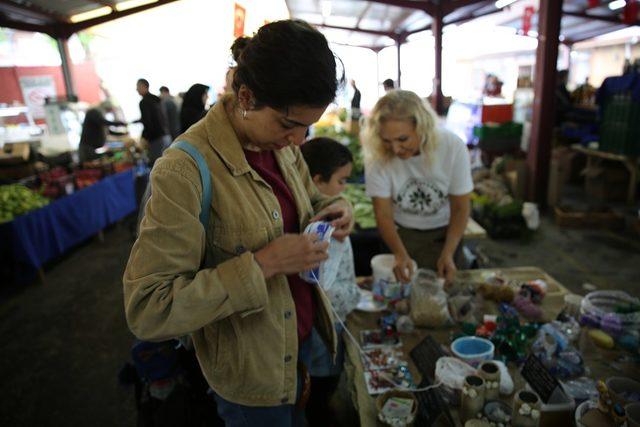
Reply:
x=379 y=23
x=54 y=17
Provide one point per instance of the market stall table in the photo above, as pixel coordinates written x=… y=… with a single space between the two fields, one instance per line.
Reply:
x=31 y=240
x=601 y=362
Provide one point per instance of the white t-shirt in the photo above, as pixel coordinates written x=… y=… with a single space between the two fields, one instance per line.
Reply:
x=419 y=190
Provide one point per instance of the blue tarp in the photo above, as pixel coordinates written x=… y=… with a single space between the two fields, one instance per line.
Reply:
x=33 y=239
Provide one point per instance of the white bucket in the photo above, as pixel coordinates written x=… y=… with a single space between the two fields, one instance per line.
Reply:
x=382 y=267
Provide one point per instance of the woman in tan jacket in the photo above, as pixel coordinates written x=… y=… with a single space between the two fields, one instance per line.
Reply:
x=234 y=287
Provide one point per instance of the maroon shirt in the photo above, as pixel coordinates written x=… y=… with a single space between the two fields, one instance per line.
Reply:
x=264 y=162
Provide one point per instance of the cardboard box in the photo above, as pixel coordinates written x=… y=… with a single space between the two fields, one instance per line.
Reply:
x=14 y=154
x=606 y=182
x=516 y=176
x=560 y=169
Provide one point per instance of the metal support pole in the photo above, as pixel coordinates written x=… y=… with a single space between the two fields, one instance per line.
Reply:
x=398 y=46
x=63 y=48
x=543 y=120
x=436 y=28
x=378 y=71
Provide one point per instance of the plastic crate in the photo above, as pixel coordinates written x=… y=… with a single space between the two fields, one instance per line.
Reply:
x=509 y=130
x=620 y=127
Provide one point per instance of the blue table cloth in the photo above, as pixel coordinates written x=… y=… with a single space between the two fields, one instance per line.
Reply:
x=33 y=239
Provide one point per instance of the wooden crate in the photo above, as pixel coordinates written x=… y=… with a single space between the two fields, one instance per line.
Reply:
x=577 y=219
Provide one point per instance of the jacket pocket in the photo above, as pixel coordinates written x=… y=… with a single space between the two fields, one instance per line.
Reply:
x=228 y=346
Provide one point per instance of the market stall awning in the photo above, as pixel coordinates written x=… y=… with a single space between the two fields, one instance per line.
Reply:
x=61 y=19
x=376 y=24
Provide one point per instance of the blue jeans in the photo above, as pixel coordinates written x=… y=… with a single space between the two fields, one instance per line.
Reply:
x=321 y=361
x=236 y=415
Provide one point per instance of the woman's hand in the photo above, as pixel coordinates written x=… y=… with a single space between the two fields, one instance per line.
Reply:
x=403 y=268
x=341 y=217
x=446 y=268
x=291 y=253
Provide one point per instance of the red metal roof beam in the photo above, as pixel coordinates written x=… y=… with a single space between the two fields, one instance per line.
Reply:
x=423 y=5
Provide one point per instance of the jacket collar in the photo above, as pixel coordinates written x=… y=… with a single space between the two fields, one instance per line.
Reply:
x=224 y=141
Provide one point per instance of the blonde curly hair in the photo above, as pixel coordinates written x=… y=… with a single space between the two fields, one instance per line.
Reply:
x=398 y=105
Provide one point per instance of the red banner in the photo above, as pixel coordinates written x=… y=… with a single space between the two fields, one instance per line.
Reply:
x=630 y=14
x=238 y=21
x=526 y=19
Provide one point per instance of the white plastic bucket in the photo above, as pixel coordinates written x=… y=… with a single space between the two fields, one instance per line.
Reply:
x=382 y=267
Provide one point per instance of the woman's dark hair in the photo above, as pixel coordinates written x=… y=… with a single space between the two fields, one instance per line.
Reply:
x=238 y=46
x=324 y=156
x=192 y=108
x=288 y=63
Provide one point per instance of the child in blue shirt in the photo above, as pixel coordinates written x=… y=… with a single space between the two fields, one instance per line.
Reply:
x=330 y=164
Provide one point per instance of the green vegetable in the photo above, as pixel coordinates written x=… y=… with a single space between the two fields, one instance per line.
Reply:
x=362 y=205
x=16 y=200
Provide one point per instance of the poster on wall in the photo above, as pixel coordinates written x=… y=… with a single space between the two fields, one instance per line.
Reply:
x=238 y=21
x=34 y=91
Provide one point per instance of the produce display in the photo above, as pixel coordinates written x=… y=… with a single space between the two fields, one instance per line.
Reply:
x=362 y=205
x=16 y=199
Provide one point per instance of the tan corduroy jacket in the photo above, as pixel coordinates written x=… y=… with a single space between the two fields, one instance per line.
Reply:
x=243 y=326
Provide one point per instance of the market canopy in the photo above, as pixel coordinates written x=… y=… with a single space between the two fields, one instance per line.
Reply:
x=61 y=19
x=376 y=24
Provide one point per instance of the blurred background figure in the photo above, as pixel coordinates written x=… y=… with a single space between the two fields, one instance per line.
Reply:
x=153 y=119
x=492 y=86
x=95 y=129
x=193 y=105
x=171 y=110
x=388 y=85
x=355 y=101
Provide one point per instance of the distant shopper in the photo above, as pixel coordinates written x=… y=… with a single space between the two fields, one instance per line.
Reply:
x=388 y=85
x=94 y=131
x=153 y=118
x=563 y=97
x=171 y=110
x=193 y=105
x=355 y=101
x=492 y=86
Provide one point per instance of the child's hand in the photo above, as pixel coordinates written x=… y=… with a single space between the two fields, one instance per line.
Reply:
x=340 y=216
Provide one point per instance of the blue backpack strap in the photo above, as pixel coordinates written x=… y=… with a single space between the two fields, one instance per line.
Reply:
x=204 y=178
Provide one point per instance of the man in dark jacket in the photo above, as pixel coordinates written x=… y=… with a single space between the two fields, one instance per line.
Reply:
x=152 y=116
x=94 y=131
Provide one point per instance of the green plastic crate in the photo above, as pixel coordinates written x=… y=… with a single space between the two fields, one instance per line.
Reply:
x=505 y=130
x=620 y=126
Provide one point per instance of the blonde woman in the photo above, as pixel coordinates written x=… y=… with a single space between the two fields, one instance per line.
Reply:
x=420 y=180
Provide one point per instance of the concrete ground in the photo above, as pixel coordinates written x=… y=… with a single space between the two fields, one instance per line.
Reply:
x=64 y=341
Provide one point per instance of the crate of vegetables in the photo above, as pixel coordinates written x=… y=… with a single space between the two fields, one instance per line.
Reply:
x=87 y=177
x=16 y=200
x=56 y=182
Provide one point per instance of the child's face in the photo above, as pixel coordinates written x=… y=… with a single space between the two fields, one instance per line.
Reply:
x=337 y=183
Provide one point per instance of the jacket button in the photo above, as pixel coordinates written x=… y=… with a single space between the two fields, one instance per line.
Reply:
x=240 y=250
x=287 y=358
x=284 y=399
x=287 y=314
x=276 y=215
